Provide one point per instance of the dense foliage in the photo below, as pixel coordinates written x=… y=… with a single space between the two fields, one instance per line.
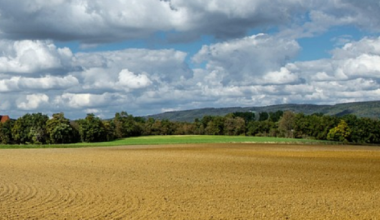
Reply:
x=40 y=129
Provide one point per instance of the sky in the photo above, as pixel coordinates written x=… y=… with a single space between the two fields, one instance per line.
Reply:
x=150 y=56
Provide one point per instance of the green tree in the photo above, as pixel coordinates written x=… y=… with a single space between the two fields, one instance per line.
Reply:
x=213 y=125
x=212 y=129
x=118 y=124
x=126 y=125
x=340 y=133
x=148 y=126
x=6 y=132
x=260 y=128
x=234 y=126
x=156 y=128
x=247 y=116
x=184 y=128
x=301 y=125
x=167 y=127
x=205 y=120
x=199 y=129
x=109 y=130
x=37 y=132
x=30 y=128
x=92 y=129
x=60 y=130
x=363 y=130
x=263 y=116
x=314 y=126
x=132 y=127
x=20 y=129
x=286 y=124
x=321 y=125
x=275 y=116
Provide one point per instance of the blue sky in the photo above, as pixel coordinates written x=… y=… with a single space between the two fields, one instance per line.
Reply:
x=151 y=56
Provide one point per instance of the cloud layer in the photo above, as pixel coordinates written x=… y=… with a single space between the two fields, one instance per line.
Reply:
x=245 y=71
x=92 y=21
x=236 y=69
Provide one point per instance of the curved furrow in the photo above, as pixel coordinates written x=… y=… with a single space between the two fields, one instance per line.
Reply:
x=123 y=205
x=27 y=192
x=61 y=201
x=112 y=206
x=160 y=206
x=12 y=191
x=68 y=198
x=5 y=201
x=86 y=200
x=6 y=192
x=16 y=199
x=148 y=207
x=3 y=190
x=41 y=202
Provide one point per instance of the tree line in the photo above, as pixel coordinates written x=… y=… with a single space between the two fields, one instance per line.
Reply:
x=38 y=128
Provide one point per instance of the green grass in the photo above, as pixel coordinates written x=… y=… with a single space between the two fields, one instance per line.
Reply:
x=204 y=139
x=174 y=139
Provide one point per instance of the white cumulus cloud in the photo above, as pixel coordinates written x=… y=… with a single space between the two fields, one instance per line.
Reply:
x=133 y=81
x=247 y=61
x=30 y=57
x=33 y=101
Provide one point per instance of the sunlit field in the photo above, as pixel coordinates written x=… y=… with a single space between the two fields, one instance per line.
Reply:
x=174 y=139
x=191 y=181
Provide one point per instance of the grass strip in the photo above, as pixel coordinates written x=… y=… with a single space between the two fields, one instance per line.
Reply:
x=172 y=139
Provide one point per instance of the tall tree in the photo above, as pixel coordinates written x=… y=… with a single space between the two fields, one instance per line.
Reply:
x=340 y=133
x=92 y=129
x=37 y=132
x=275 y=116
x=148 y=126
x=234 y=126
x=30 y=128
x=260 y=128
x=286 y=124
x=247 y=116
x=20 y=129
x=118 y=123
x=60 y=130
x=215 y=126
x=6 y=132
x=263 y=116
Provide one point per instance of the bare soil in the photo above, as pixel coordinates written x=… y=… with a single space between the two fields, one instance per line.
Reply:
x=214 y=181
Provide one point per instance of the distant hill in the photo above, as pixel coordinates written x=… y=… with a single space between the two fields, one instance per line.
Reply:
x=360 y=109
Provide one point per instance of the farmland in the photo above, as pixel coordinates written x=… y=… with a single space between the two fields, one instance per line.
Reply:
x=171 y=139
x=191 y=181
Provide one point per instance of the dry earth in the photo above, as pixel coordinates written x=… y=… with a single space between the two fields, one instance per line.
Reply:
x=219 y=181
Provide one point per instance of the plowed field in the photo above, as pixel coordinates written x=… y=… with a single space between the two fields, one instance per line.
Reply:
x=215 y=181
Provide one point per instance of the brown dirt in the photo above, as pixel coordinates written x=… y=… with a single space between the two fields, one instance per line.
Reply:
x=219 y=181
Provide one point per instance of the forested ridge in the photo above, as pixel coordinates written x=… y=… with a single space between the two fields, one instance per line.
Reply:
x=38 y=128
x=360 y=109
